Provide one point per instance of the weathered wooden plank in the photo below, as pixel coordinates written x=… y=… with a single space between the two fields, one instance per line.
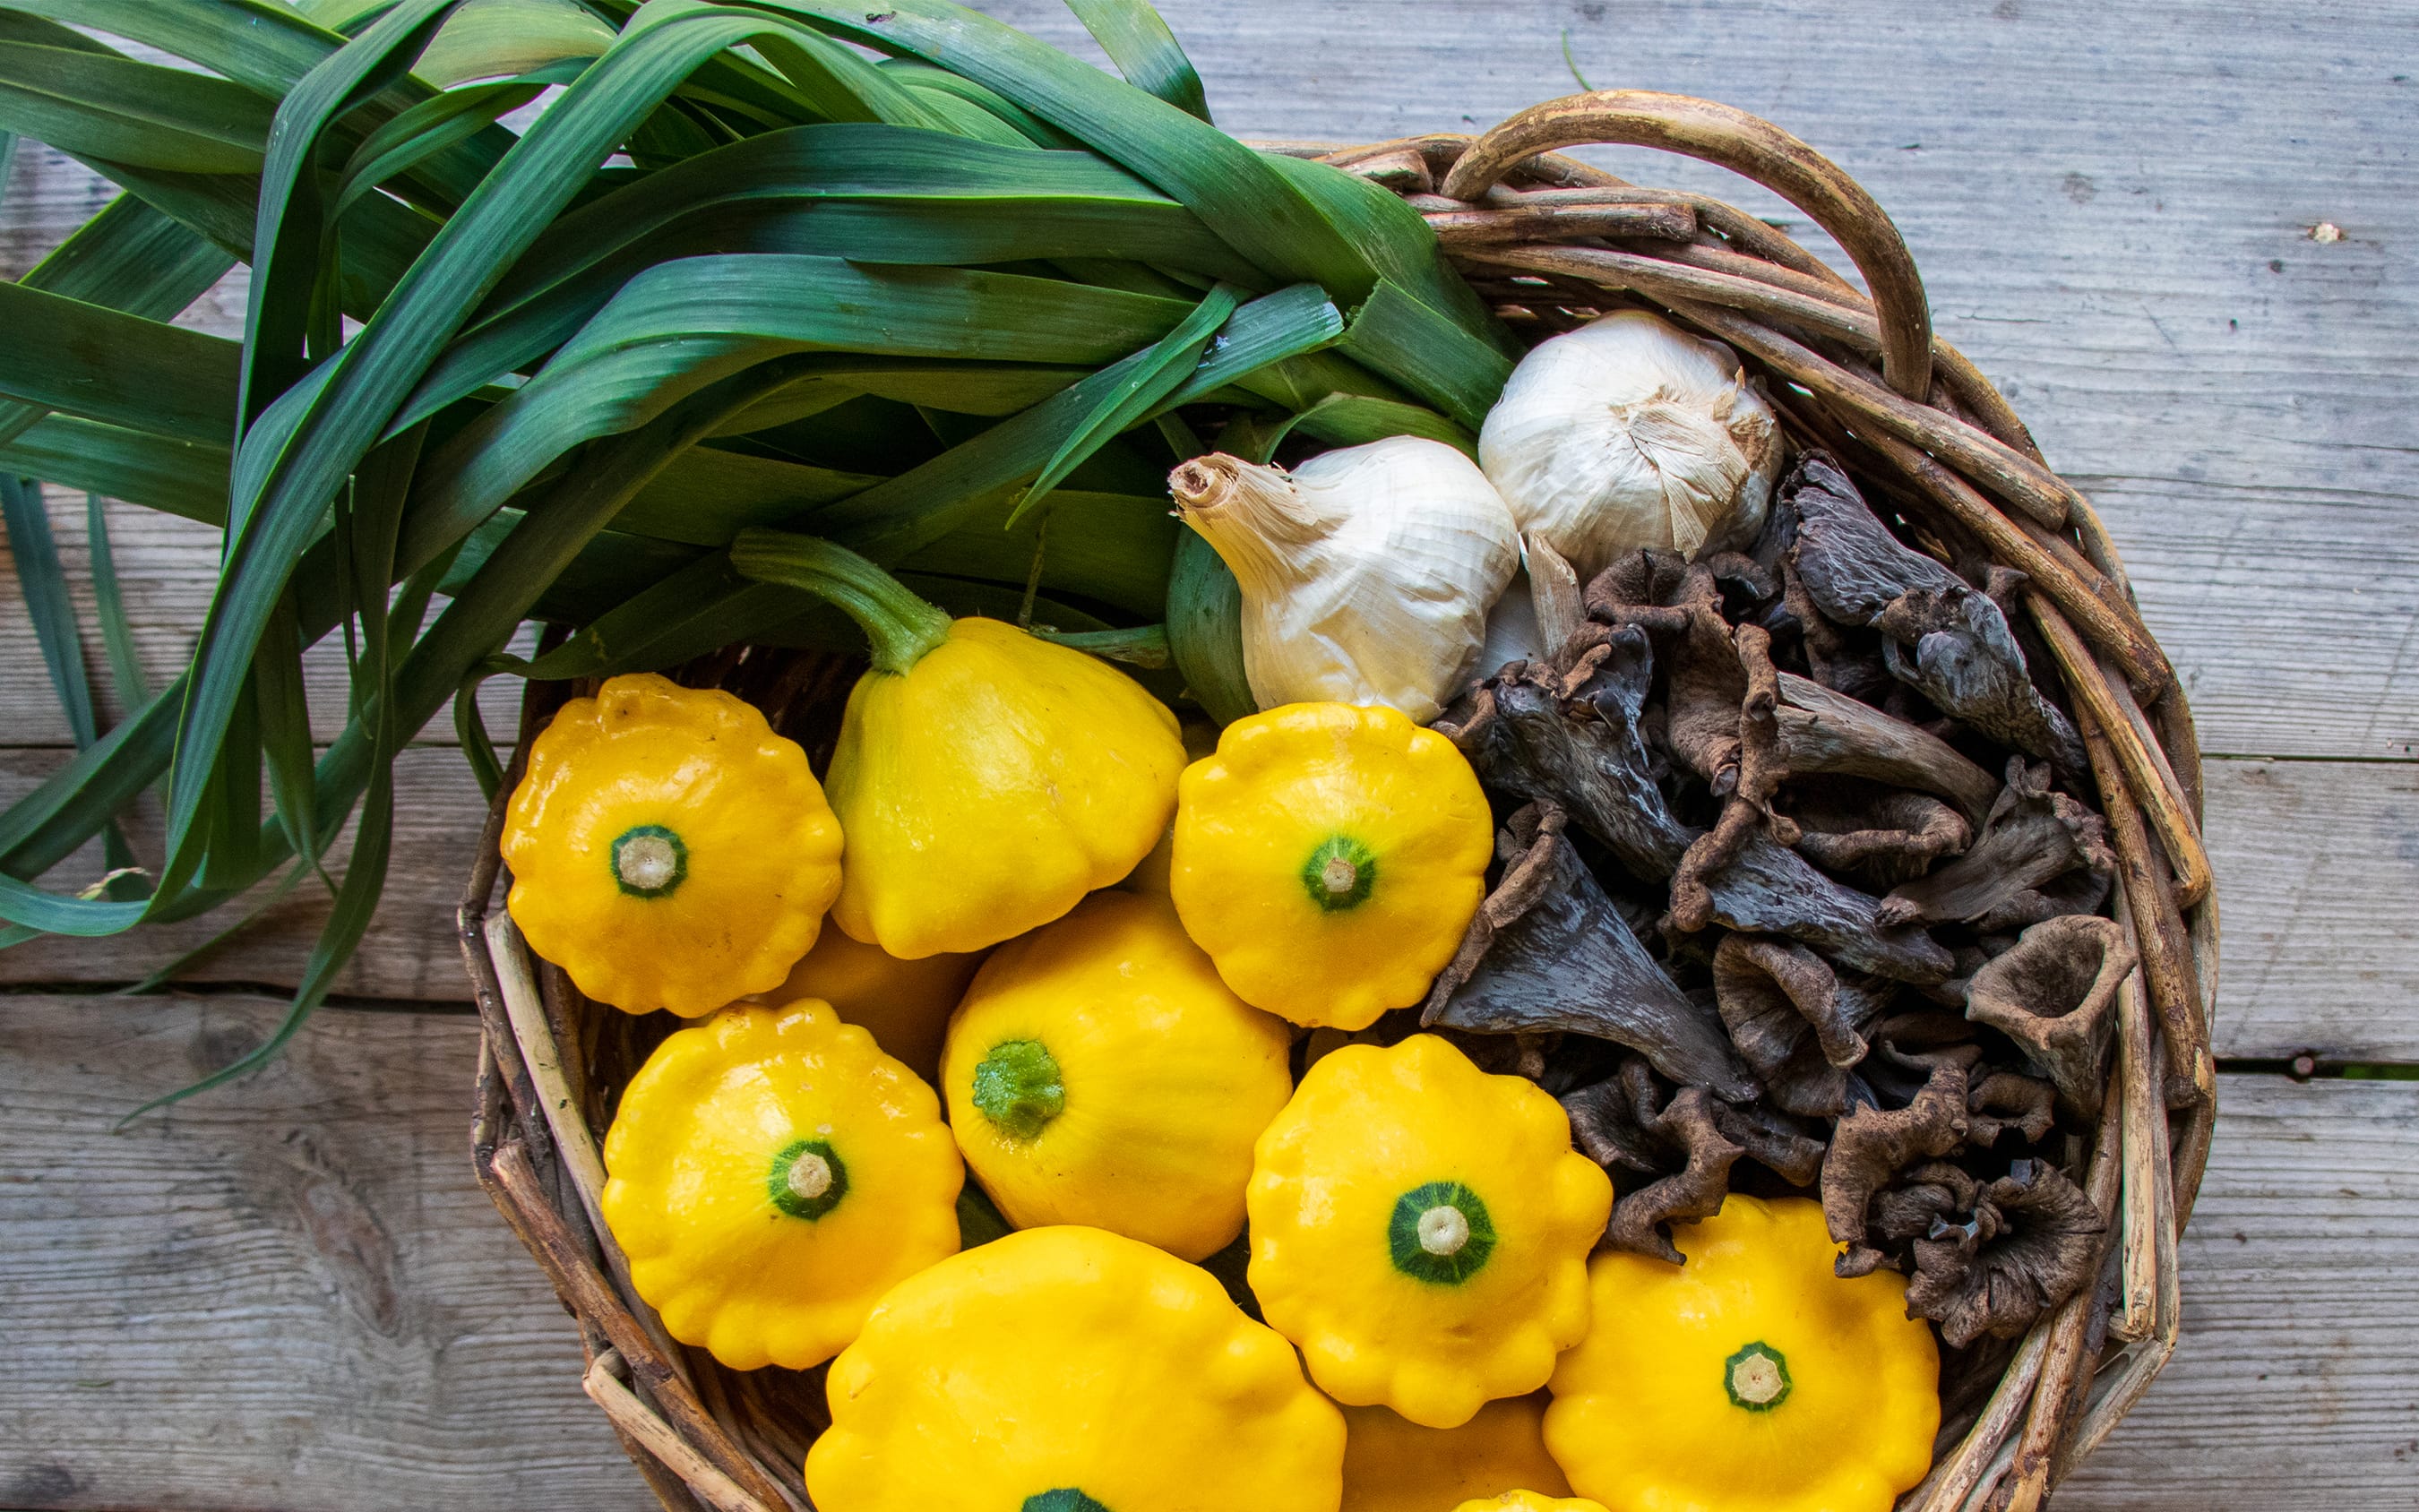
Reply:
x=408 y=953
x=2289 y=1387
x=166 y=570
x=2318 y=866
x=2235 y=393
x=290 y=1295
x=290 y=1290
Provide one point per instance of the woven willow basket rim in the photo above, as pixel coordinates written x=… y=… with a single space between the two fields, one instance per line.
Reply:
x=1542 y=235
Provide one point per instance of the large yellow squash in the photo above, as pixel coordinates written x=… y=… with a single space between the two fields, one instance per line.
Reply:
x=1392 y=1464
x=771 y=1175
x=1329 y=857
x=1071 y=1370
x=1420 y=1230
x=1098 y=1073
x=1749 y=1380
x=986 y=778
x=905 y=1005
x=668 y=849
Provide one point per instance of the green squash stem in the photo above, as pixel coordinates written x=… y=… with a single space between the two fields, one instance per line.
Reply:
x=901 y=626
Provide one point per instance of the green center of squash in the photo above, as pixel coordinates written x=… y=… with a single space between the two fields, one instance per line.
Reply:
x=1019 y=1087
x=649 y=861
x=1757 y=1378
x=1339 y=873
x=1065 y=1498
x=1440 y=1233
x=807 y=1180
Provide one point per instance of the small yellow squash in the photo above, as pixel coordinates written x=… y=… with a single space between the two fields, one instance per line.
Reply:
x=1071 y=1370
x=1329 y=857
x=1098 y=1073
x=986 y=778
x=1749 y=1380
x=668 y=849
x=1392 y=1464
x=1530 y=1502
x=905 y=1005
x=1420 y=1230
x=771 y=1175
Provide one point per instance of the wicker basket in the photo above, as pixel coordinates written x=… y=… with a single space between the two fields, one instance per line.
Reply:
x=1548 y=242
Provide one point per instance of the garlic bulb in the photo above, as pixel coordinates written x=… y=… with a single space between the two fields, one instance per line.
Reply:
x=1629 y=433
x=1367 y=572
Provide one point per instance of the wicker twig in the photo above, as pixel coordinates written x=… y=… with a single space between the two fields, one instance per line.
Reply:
x=1754 y=149
x=603 y=1383
x=1551 y=243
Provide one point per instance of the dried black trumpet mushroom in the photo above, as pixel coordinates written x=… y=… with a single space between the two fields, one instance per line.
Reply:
x=2003 y=1100
x=1839 y=664
x=2054 y=995
x=1870 y=1147
x=1549 y=953
x=1529 y=734
x=1907 y=1048
x=1941 y=636
x=1796 y=1024
x=1774 y=1140
x=2033 y=837
x=1721 y=697
x=1529 y=739
x=1879 y=835
x=1624 y=1121
x=1822 y=731
x=1773 y=890
x=2029 y=1240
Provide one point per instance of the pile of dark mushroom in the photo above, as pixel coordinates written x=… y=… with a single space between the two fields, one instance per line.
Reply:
x=1798 y=894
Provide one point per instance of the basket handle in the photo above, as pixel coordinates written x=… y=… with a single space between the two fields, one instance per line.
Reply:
x=1748 y=146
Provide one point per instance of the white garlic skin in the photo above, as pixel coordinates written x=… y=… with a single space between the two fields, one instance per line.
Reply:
x=1630 y=434
x=1367 y=572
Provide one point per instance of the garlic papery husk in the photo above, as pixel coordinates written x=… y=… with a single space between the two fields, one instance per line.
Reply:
x=1367 y=572
x=1538 y=612
x=1629 y=433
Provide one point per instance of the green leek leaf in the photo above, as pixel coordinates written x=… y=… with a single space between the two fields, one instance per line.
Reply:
x=1145 y=51
x=139 y=113
x=1161 y=368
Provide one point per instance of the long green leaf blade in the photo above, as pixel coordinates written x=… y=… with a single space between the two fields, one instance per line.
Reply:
x=1168 y=364
x=83 y=360
x=1395 y=335
x=42 y=578
x=138 y=113
x=1138 y=42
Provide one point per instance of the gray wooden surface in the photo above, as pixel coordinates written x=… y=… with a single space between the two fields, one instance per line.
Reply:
x=292 y=1296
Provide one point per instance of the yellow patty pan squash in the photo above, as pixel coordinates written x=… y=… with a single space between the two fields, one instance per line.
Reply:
x=1329 y=857
x=668 y=849
x=1392 y=1464
x=1420 y=1230
x=1098 y=1073
x=986 y=778
x=1750 y=1378
x=905 y=1005
x=1071 y=1370
x=1530 y=1502
x=770 y=1175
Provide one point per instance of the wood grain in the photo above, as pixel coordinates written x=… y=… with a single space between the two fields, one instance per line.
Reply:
x=2289 y=1387
x=290 y=1295
x=279 y=1295
x=408 y=953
